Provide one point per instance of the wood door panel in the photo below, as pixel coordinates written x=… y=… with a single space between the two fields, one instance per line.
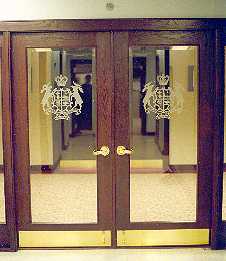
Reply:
x=104 y=78
x=56 y=40
x=123 y=24
x=8 y=233
x=121 y=58
x=205 y=121
x=105 y=98
x=165 y=38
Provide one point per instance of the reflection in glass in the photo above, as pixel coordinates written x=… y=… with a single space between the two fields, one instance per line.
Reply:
x=163 y=164
x=2 y=196
x=63 y=168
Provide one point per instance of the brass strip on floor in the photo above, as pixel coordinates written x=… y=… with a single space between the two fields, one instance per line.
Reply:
x=78 y=164
x=64 y=238
x=176 y=237
x=155 y=163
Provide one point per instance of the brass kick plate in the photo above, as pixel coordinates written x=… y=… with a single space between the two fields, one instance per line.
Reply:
x=177 y=237
x=64 y=238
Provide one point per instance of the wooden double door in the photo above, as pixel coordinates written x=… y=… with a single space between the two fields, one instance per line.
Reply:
x=98 y=161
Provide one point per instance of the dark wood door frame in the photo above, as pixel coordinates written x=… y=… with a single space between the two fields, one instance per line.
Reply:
x=212 y=27
x=8 y=233
x=119 y=24
x=218 y=237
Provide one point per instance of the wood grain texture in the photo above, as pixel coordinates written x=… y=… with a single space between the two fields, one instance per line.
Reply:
x=21 y=132
x=104 y=114
x=122 y=130
x=56 y=39
x=162 y=225
x=123 y=24
x=205 y=128
x=217 y=241
x=7 y=143
x=165 y=38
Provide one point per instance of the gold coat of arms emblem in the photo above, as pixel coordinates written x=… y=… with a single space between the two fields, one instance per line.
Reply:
x=62 y=101
x=162 y=99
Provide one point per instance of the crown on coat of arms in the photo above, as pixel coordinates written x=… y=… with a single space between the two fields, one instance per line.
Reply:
x=61 y=80
x=163 y=79
x=61 y=101
x=162 y=99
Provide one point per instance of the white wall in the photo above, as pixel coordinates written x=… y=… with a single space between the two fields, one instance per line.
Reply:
x=183 y=126
x=40 y=125
x=55 y=129
x=75 y=9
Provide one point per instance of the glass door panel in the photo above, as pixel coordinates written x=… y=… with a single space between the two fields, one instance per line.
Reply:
x=61 y=150
x=163 y=163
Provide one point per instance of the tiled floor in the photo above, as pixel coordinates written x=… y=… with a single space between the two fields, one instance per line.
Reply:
x=163 y=197
x=116 y=255
x=154 y=197
x=64 y=198
x=81 y=147
x=72 y=198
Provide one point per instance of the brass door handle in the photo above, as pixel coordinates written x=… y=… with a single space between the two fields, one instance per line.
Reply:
x=121 y=150
x=104 y=151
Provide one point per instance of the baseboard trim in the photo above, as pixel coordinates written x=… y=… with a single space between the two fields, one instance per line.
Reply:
x=183 y=168
x=45 y=168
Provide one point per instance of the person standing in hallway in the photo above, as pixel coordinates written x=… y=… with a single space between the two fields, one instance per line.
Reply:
x=76 y=119
x=84 y=120
x=87 y=101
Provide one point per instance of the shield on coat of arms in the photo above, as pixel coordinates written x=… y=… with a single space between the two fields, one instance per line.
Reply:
x=62 y=101
x=162 y=99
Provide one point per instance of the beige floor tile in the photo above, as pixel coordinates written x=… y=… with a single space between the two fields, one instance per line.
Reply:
x=116 y=255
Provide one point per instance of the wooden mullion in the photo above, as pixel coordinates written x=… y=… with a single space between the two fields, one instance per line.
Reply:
x=8 y=142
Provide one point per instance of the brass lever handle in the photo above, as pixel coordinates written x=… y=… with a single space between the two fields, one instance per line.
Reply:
x=121 y=150
x=104 y=151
